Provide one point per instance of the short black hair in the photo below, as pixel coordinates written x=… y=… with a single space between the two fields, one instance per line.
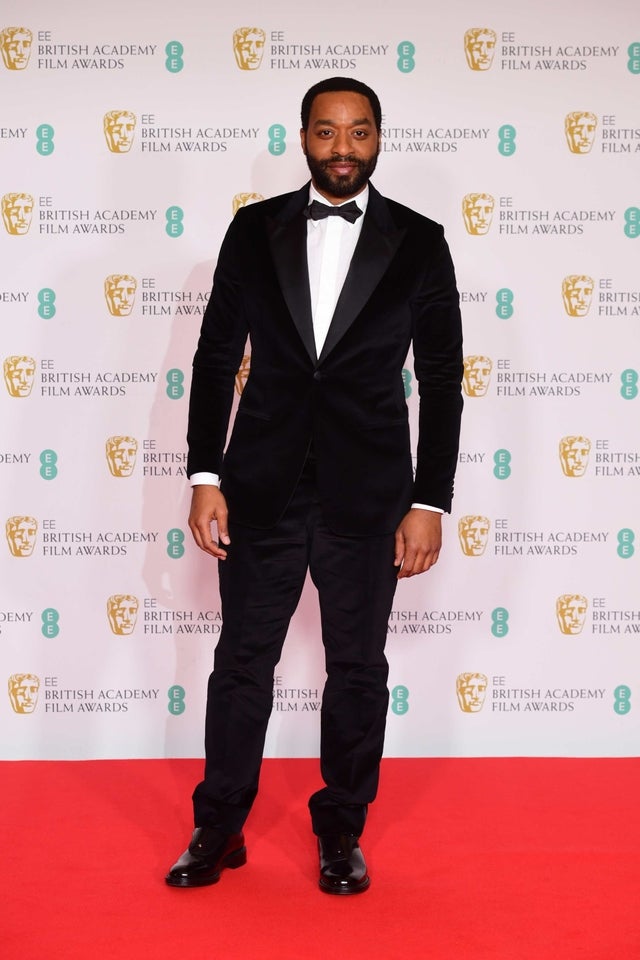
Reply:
x=338 y=85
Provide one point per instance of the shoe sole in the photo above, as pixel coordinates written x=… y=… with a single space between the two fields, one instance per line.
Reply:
x=344 y=891
x=233 y=860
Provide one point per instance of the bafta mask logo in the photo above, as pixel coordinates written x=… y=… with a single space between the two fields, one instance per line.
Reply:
x=121 y=455
x=580 y=130
x=477 y=212
x=245 y=200
x=571 y=611
x=17 y=210
x=477 y=374
x=19 y=375
x=122 y=611
x=574 y=455
x=21 y=535
x=248 y=47
x=119 y=128
x=16 y=47
x=479 y=47
x=120 y=293
x=23 y=692
x=473 y=534
x=243 y=374
x=471 y=689
x=577 y=291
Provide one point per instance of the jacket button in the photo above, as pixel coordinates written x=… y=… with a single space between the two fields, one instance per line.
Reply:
x=317 y=375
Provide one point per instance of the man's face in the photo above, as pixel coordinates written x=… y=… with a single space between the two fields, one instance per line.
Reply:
x=341 y=144
x=16 y=49
x=17 y=214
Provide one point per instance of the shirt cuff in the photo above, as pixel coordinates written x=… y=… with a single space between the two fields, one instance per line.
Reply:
x=425 y=506
x=204 y=479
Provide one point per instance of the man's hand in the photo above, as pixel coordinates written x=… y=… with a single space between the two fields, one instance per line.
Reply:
x=418 y=542
x=208 y=504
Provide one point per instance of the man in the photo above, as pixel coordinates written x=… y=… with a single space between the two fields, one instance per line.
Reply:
x=318 y=474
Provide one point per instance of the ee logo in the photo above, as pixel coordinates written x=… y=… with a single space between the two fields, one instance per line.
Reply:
x=507 y=140
x=175 y=216
x=502 y=464
x=277 y=139
x=400 y=700
x=50 y=618
x=174 y=62
x=46 y=303
x=406 y=53
x=629 y=380
x=44 y=140
x=48 y=464
x=176 y=696
x=499 y=622
x=622 y=699
x=175 y=381
x=175 y=543
x=626 y=548
x=504 y=303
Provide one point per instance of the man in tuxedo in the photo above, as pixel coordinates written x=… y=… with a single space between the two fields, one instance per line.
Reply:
x=332 y=284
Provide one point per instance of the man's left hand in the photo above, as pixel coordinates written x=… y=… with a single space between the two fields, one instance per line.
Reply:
x=418 y=542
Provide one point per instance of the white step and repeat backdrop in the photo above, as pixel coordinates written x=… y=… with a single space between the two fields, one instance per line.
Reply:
x=129 y=134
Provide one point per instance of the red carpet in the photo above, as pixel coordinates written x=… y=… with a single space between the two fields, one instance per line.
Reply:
x=508 y=859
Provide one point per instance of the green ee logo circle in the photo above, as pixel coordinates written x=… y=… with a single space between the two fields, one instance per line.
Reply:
x=504 y=303
x=632 y=222
x=406 y=52
x=502 y=464
x=176 y=696
x=499 y=622
x=175 y=381
x=626 y=548
x=175 y=544
x=175 y=216
x=633 y=63
x=507 y=140
x=622 y=699
x=48 y=464
x=50 y=618
x=400 y=700
x=44 y=140
x=174 y=62
x=277 y=139
x=629 y=380
x=406 y=381
x=46 y=303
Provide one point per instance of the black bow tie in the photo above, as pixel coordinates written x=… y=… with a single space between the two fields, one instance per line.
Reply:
x=318 y=211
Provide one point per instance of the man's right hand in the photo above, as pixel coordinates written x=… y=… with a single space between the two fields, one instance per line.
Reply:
x=208 y=504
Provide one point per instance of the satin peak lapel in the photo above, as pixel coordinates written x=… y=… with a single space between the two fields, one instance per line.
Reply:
x=376 y=247
x=287 y=234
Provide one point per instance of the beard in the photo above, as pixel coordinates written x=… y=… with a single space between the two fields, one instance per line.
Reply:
x=343 y=185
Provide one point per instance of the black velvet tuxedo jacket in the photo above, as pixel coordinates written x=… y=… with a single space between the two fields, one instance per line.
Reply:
x=348 y=404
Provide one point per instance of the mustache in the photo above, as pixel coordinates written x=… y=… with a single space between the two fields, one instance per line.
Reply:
x=338 y=158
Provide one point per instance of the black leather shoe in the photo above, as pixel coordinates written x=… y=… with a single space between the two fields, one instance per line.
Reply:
x=342 y=866
x=210 y=851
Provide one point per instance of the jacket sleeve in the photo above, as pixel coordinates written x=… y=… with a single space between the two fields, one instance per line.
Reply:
x=218 y=356
x=437 y=349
